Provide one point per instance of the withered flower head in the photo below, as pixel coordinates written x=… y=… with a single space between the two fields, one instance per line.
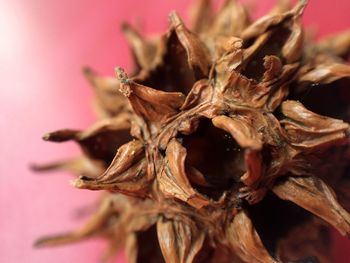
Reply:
x=229 y=142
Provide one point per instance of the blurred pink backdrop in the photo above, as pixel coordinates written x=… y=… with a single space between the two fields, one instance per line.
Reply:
x=43 y=45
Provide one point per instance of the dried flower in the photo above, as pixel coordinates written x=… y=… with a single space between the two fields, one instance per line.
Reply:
x=228 y=143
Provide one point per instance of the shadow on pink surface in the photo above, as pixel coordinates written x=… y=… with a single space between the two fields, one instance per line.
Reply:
x=44 y=45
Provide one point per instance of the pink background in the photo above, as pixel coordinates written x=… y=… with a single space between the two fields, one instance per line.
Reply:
x=43 y=45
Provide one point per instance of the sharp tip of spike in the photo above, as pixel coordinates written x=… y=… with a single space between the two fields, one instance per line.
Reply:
x=46 y=137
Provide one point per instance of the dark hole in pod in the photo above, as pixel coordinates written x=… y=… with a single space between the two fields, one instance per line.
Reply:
x=148 y=249
x=175 y=74
x=332 y=100
x=273 y=47
x=105 y=144
x=273 y=218
x=217 y=156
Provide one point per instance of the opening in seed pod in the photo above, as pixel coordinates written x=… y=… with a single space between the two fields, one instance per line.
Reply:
x=218 y=158
x=105 y=144
x=332 y=100
x=274 y=218
x=255 y=69
x=174 y=74
x=148 y=249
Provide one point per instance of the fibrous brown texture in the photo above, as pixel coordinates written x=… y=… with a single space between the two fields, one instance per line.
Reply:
x=228 y=142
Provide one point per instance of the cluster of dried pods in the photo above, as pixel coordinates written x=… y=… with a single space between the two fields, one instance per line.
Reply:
x=228 y=143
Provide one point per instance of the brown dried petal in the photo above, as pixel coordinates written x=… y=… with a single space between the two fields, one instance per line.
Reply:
x=273 y=68
x=308 y=129
x=154 y=105
x=245 y=241
x=241 y=131
x=179 y=241
x=197 y=53
x=315 y=196
x=173 y=180
x=127 y=172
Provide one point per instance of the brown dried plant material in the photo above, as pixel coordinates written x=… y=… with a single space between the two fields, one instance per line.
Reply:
x=229 y=142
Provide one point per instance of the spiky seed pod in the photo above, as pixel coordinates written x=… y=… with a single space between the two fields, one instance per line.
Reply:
x=228 y=143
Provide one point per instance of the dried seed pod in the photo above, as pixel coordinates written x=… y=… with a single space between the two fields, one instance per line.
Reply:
x=214 y=145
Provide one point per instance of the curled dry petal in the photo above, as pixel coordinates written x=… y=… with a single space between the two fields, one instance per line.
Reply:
x=273 y=68
x=246 y=242
x=240 y=130
x=315 y=196
x=173 y=180
x=154 y=105
x=179 y=241
x=127 y=172
x=197 y=53
x=308 y=129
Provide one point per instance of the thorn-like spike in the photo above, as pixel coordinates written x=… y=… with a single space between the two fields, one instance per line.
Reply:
x=315 y=196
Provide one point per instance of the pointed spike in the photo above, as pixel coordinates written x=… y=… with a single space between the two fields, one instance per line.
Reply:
x=338 y=44
x=201 y=15
x=282 y=6
x=315 y=196
x=231 y=19
x=179 y=241
x=309 y=130
x=326 y=73
x=143 y=50
x=154 y=105
x=94 y=226
x=61 y=135
x=198 y=55
x=263 y=24
x=245 y=240
x=56 y=240
x=78 y=166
